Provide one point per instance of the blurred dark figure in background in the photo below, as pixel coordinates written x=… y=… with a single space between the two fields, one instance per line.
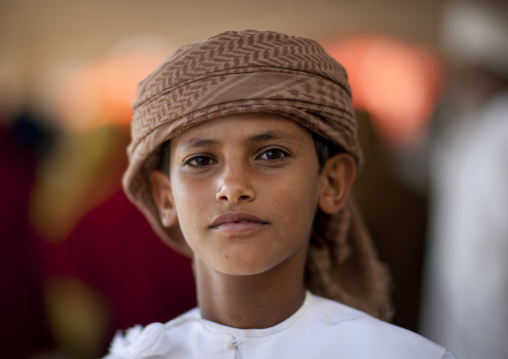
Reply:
x=396 y=217
x=23 y=142
x=24 y=329
x=466 y=293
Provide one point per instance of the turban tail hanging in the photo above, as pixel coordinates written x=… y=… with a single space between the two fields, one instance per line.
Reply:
x=252 y=71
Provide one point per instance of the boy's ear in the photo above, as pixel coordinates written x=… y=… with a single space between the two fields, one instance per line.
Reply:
x=337 y=176
x=163 y=197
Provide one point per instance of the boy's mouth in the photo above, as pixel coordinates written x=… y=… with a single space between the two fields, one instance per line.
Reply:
x=236 y=221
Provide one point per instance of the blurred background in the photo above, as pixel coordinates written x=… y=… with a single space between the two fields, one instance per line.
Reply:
x=429 y=81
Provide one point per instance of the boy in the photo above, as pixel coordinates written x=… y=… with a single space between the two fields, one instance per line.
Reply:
x=242 y=156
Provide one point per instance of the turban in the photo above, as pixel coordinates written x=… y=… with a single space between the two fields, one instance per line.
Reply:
x=269 y=72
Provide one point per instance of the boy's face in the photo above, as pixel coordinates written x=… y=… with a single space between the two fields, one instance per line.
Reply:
x=245 y=190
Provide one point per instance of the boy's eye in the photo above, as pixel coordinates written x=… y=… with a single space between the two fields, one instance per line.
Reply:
x=199 y=161
x=273 y=154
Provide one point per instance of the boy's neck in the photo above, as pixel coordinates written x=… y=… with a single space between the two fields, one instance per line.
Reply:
x=249 y=302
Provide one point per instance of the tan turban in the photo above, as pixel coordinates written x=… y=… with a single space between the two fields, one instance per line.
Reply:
x=259 y=71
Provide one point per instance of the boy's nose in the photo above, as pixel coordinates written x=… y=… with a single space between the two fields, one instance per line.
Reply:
x=235 y=187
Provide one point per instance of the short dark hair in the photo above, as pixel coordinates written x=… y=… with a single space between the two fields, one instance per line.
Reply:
x=324 y=150
x=164 y=158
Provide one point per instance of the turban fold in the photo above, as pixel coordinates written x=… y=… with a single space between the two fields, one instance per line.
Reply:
x=260 y=71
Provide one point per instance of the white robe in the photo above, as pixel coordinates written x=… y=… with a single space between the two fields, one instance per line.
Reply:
x=321 y=328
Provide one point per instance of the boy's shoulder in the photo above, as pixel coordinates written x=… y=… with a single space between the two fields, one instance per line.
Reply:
x=320 y=328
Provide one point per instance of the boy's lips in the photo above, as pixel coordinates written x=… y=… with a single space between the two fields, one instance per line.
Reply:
x=236 y=222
